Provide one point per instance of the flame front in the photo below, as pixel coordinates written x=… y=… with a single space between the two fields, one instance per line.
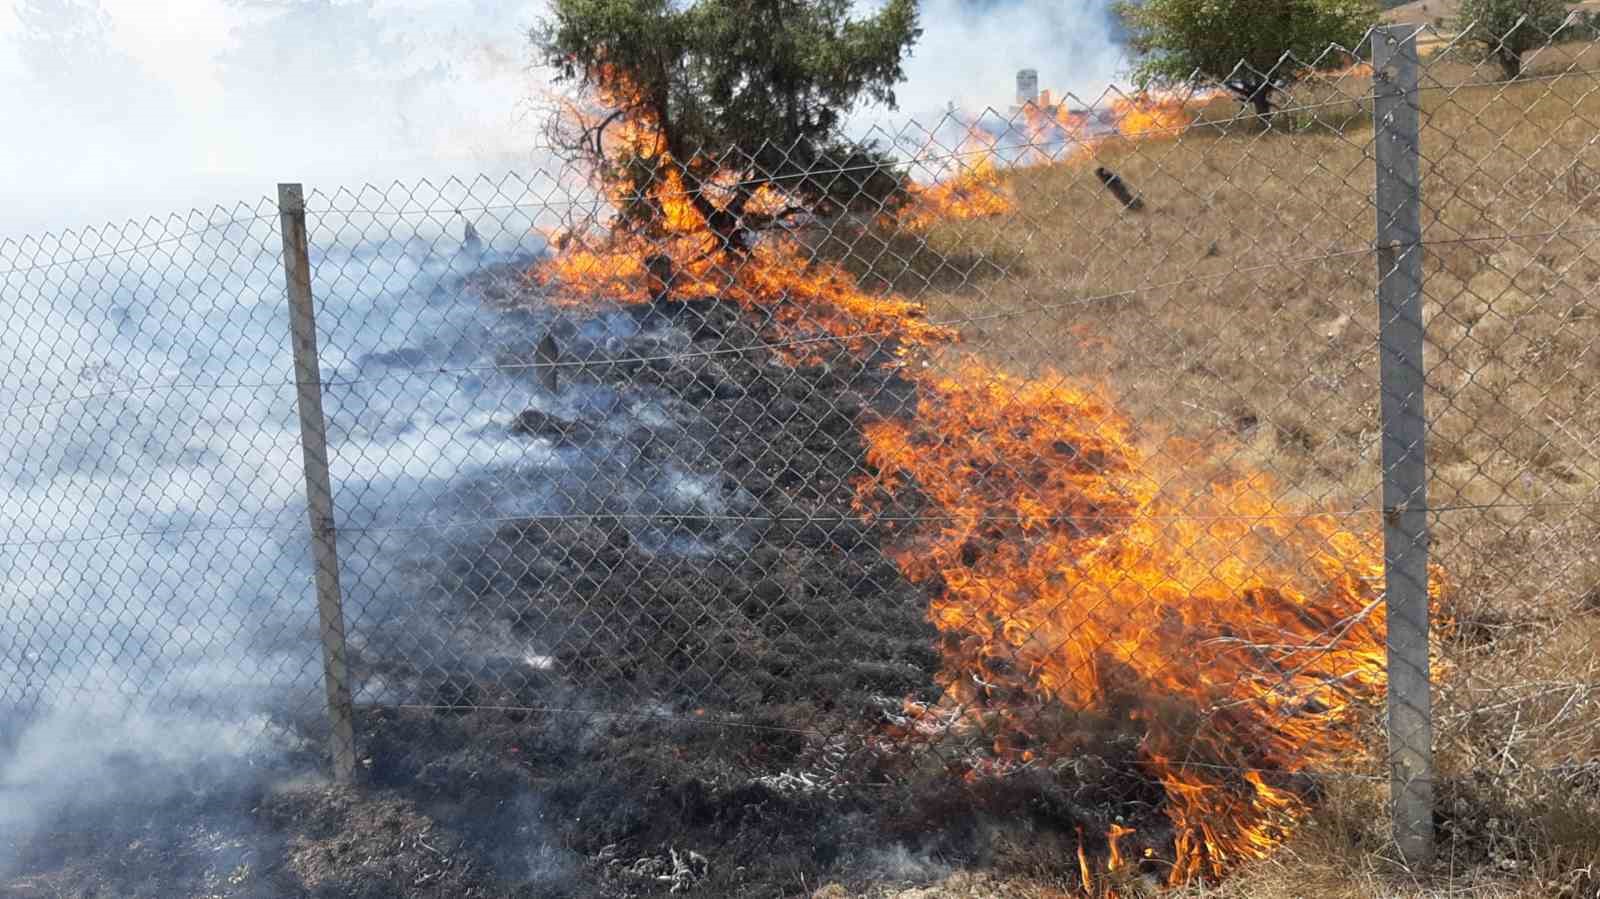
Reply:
x=814 y=305
x=1076 y=576
x=971 y=183
x=1151 y=115
x=975 y=191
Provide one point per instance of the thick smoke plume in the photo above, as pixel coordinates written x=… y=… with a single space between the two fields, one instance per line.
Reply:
x=121 y=108
x=158 y=618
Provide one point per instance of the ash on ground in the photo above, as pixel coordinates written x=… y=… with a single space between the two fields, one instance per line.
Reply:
x=634 y=642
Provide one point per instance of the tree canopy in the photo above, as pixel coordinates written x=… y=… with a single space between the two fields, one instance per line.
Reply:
x=1254 y=48
x=1506 y=30
x=744 y=93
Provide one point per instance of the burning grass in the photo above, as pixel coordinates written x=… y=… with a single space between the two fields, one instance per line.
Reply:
x=1235 y=314
x=1076 y=573
x=812 y=307
x=1112 y=463
x=968 y=182
x=976 y=193
x=1074 y=563
x=676 y=254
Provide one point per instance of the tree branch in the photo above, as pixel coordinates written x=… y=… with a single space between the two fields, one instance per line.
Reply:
x=597 y=133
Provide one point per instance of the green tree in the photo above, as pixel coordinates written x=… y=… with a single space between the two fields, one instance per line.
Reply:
x=740 y=93
x=1254 y=48
x=1506 y=30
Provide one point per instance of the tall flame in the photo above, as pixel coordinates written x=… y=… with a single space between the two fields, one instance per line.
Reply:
x=1076 y=574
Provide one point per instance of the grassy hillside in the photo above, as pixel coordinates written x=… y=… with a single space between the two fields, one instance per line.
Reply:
x=1429 y=12
x=1236 y=314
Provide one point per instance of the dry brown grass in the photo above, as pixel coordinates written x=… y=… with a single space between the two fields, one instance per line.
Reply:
x=1431 y=12
x=1237 y=310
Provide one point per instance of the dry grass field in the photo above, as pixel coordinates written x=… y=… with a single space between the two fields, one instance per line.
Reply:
x=1236 y=313
x=1431 y=12
x=1441 y=18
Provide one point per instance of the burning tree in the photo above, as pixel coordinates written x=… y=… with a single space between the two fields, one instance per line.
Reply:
x=1093 y=594
x=1253 y=49
x=735 y=105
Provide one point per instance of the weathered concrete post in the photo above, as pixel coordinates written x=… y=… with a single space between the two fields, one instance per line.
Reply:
x=1397 y=118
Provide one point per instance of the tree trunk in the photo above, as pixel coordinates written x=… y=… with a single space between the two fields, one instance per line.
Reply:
x=1262 y=101
x=1257 y=94
x=1510 y=63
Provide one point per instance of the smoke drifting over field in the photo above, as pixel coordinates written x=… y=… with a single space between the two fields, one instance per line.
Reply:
x=131 y=107
x=151 y=506
x=119 y=109
x=971 y=49
x=128 y=108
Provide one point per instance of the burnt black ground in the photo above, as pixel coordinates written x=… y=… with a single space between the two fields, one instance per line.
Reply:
x=701 y=713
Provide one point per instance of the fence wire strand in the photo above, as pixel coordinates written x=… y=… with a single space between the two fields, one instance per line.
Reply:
x=1062 y=467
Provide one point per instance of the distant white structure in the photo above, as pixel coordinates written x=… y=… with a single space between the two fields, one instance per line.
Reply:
x=1027 y=87
x=1029 y=95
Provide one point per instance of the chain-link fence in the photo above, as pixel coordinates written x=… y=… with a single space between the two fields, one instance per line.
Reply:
x=1062 y=505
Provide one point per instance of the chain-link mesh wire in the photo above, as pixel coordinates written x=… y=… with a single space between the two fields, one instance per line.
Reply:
x=1043 y=489
x=155 y=601
x=1509 y=224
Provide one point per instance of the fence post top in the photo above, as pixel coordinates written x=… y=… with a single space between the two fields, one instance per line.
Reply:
x=291 y=197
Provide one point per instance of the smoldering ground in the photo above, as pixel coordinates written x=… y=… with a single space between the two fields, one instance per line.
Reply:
x=160 y=649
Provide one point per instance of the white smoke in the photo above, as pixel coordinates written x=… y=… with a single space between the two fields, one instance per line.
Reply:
x=970 y=52
x=119 y=108
x=157 y=612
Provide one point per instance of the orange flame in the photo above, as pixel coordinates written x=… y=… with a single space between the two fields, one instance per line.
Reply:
x=1047 y=124
x=977 y=192
x=1077 y=576
x=812 y=304
x=1084 y=876
x=1115 y=861
x=1151 y=115
x=1043 y=133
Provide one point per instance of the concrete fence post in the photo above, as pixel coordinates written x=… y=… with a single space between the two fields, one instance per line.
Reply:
x=1397 y=120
